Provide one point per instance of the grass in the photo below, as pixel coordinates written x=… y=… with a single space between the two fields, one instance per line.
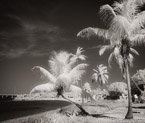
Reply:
x=68 y=114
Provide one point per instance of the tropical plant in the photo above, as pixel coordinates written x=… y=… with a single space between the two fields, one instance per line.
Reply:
x=101 y=75
x=87 y=86
x=116 y=54
x=120 y=87
x=125 y=28
x=62 y=70
x=77 y=57
x=138 y=83
x=62 y=73
x=139 y=77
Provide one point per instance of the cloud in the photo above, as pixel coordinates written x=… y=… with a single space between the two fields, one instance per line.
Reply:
x=31 y=38
x=13 y=53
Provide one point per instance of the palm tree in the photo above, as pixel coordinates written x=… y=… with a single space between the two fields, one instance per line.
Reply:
x=115 y=53
x=62 y=70
x=87 y=86
x=100 y=75
x=76 y=57
x=62 y=73
x=125 y=27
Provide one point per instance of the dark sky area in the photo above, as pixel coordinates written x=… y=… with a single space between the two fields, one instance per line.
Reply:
x=30 y=30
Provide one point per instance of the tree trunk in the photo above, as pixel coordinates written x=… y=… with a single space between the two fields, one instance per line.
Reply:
x=82 y=92
x=81 y=85
x=84 y=112
x=129 y=114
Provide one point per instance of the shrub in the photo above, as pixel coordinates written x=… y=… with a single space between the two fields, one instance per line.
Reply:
x=117 y=89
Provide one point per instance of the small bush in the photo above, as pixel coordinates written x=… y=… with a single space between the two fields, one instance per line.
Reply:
x=114 y=95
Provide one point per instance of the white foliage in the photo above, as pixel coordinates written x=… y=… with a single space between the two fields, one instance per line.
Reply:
x=63 y=71
x=60 y=63
x=119 y=87
x=44 y=74
x=87 y=86
x=76 y=73
x=64 y=81
x=100 y=75
x=75 y=90
x=43 y=88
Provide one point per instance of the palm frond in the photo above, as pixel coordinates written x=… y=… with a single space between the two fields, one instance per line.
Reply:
x=140 y=2
x=63 y=81
x=79 y=51
x=104 y=80
x=138 y=39
x=130 y=60
x=116 y=51
x=102 y=69
x=106 y=76
x=89 y=32
x=95 y=70
x=60 y=63
x=120 y=62
x=110 y=59
x=139 y=22
x=82 y=57
x=120 y=26
x=78 y=55
x=47 y=87
x=104 y=48
x=44 y=74
x=118 y=6
x=77 y=72
x=94 y=78
x=134 y=51
x=130 y=8
x=107 y=14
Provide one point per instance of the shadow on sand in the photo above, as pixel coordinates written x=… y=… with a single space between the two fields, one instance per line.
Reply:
x=16 y=109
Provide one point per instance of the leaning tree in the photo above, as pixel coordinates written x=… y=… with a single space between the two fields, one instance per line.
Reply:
x=63 y=72
x=125 y=23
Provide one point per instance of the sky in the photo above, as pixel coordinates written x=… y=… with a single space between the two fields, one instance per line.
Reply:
x=30 y=30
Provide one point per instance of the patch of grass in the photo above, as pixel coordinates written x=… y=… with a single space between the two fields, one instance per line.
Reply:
x=60 y=115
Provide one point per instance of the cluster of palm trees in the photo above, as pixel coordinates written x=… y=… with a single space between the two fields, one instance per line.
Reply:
x=125 y=23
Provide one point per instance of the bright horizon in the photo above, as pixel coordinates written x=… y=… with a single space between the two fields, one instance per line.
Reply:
x=31 y=30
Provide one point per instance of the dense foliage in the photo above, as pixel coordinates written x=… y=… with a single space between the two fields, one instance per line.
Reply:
x=117 y=89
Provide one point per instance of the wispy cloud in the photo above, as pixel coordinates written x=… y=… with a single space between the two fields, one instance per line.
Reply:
x=32 y=38
x=13 y=53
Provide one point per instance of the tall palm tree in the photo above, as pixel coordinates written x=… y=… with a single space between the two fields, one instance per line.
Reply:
x=76 y=57
x=125 y=27
x=116 y=54
x=100 y=75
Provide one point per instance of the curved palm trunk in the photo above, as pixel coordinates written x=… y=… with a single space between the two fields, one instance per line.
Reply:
x=129 y=114
x=84 y=112
x=60 y=92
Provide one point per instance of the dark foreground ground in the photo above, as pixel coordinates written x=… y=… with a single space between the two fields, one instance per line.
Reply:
x=16 y=109
x=48 y=111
